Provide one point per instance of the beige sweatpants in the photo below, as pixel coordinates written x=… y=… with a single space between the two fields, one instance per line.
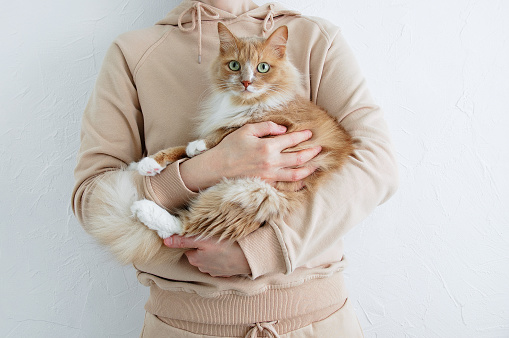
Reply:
x=341 y=324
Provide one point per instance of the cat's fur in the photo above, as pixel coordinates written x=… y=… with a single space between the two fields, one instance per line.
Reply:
x=233 y=208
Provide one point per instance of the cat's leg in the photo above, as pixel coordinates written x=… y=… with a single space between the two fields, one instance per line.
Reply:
x=199 y=146
x=234 y=208
x=156 y=218
x=153 y=165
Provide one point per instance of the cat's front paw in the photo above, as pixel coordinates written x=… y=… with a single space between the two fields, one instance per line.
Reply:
x=148 y=167
x=195 y=148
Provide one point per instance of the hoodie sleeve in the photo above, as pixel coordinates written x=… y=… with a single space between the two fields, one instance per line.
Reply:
x=367 y=180
x=112 y=136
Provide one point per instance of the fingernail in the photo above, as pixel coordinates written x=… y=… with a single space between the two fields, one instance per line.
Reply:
x=282 y=128
x=168 y=241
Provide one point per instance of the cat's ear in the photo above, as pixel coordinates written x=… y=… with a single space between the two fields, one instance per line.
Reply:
x=227 y=41
x=277 y=41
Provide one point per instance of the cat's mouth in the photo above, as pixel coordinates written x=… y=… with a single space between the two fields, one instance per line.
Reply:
x=247 y=93
x=250 y=91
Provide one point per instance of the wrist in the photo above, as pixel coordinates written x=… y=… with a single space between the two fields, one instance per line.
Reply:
x=188 y=174
x=200 y=172
x=167 y=189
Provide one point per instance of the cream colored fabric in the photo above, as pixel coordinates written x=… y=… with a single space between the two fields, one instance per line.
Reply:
x=341 y=324
x=146 y=98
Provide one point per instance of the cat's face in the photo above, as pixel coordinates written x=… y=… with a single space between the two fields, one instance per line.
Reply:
x=254 y=70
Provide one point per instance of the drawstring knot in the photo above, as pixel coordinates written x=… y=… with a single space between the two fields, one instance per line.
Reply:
x=196 y=11
x=268 y=22
x=263 y=327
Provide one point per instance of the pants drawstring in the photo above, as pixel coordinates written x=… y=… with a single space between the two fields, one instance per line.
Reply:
x=263 y=327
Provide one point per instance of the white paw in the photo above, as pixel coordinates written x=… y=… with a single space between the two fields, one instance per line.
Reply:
x=148 y=167
x=195 y=148
x=156 y=218
x=133 y=166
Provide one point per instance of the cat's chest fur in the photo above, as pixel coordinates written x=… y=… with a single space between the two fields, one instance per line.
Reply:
x=219 y=112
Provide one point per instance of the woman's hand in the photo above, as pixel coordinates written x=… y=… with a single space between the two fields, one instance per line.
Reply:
x=218 y=259
x=246 y=153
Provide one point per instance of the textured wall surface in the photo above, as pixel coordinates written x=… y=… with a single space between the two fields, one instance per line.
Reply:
x=432 y=262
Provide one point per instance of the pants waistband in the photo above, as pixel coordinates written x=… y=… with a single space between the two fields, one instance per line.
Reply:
x=259 y=329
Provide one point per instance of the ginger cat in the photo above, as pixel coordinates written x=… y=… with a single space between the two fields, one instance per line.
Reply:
x=253 y=82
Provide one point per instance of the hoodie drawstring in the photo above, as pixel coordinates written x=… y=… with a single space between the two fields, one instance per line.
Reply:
x=268 y=22
x=196 y=11
x=261 y=327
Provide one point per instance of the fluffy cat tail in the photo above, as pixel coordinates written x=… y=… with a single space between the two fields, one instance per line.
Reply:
x=112 y=223
x=234 y=208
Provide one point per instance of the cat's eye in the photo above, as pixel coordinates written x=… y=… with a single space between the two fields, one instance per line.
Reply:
x=234 y=65
x=263 y=67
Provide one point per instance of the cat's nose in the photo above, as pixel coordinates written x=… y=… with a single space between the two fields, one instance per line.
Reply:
x=246 y=83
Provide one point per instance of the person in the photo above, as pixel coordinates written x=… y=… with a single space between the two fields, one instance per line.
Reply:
x=283 y=280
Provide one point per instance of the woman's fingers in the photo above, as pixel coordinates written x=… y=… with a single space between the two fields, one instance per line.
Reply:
x=267 y=128
x=298 y=158
x=181 y=242
x=217 y=258
x=291 y=139
x=283 y=140
x=288 y=172
x=294 y=175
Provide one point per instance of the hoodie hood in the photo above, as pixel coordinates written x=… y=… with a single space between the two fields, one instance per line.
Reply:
x=187 y=10
x=192 y=13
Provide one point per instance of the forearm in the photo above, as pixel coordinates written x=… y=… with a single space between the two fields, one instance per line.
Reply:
x=200 y=172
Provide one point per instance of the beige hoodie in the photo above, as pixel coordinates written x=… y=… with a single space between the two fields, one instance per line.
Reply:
x=145 y=99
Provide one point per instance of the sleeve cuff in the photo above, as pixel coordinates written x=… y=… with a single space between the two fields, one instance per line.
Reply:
x=263 y=252
x=167 y=189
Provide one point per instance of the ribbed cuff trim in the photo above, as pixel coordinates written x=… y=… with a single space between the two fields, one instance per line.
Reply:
x=167 y=189
x=263 y=252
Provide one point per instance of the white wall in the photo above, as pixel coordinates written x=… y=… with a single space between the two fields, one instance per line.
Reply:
x=432 y=262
